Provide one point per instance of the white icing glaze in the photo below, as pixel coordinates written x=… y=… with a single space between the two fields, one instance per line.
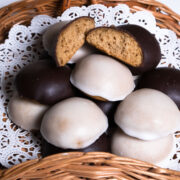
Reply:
x=148 y=114
x=81 y=53
x=103 y=76
x=74 y=123
x=156 y=151
x=26 y=113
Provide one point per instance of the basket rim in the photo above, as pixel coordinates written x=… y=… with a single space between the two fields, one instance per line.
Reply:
x=36 y=165
x=10 y=14
x=29 y=164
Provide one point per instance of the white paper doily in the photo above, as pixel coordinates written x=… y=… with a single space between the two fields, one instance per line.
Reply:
x=24 y=46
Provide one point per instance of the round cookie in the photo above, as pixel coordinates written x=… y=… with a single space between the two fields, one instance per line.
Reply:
x=25 y=113
x=44 y=82
x=73 y=123
x=108 y=107
x=148 y=114
x=166 y=80
x=156 y=152
x=103 y=78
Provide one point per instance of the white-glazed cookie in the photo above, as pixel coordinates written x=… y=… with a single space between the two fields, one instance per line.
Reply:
x=148 y=114
x=156 y=152
x=26 y=113
x=104 y=77
x=81 y=53
x=73 y=123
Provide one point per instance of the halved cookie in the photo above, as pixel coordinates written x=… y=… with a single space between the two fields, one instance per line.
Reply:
x=71 y=38
x=130 y=44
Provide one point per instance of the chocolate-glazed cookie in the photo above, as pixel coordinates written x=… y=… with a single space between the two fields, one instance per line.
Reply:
x=109 y=108
x=166 y=80
x=151 y=53
x=44 y=82
x=131 y=44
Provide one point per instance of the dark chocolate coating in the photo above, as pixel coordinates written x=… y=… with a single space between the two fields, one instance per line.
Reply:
x=101 y=145
x=108 y=108
x=44 y=82
x=166 y=80
x=149 y=45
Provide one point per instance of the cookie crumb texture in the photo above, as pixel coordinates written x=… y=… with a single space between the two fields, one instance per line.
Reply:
x=71 y=38
x=116 y=43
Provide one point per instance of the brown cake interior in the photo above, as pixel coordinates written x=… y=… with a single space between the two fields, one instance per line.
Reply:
x=118 y=44
x=71 y=38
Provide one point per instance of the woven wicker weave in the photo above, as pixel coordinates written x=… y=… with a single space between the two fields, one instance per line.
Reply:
x=23 y=11
x=78 y=165
x=93 y=165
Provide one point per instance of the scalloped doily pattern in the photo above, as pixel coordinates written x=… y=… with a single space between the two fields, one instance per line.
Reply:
x=24 y=46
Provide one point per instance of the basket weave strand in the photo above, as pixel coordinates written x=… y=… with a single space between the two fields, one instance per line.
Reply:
x=78 y=165
x=22 y=12
x=92 y=165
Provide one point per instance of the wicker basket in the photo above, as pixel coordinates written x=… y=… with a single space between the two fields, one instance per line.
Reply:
x=78 y=165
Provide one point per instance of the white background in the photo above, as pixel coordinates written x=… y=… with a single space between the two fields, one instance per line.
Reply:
x=173 y=4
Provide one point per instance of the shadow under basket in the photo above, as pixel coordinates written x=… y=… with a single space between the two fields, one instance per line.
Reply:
x=79 y=165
